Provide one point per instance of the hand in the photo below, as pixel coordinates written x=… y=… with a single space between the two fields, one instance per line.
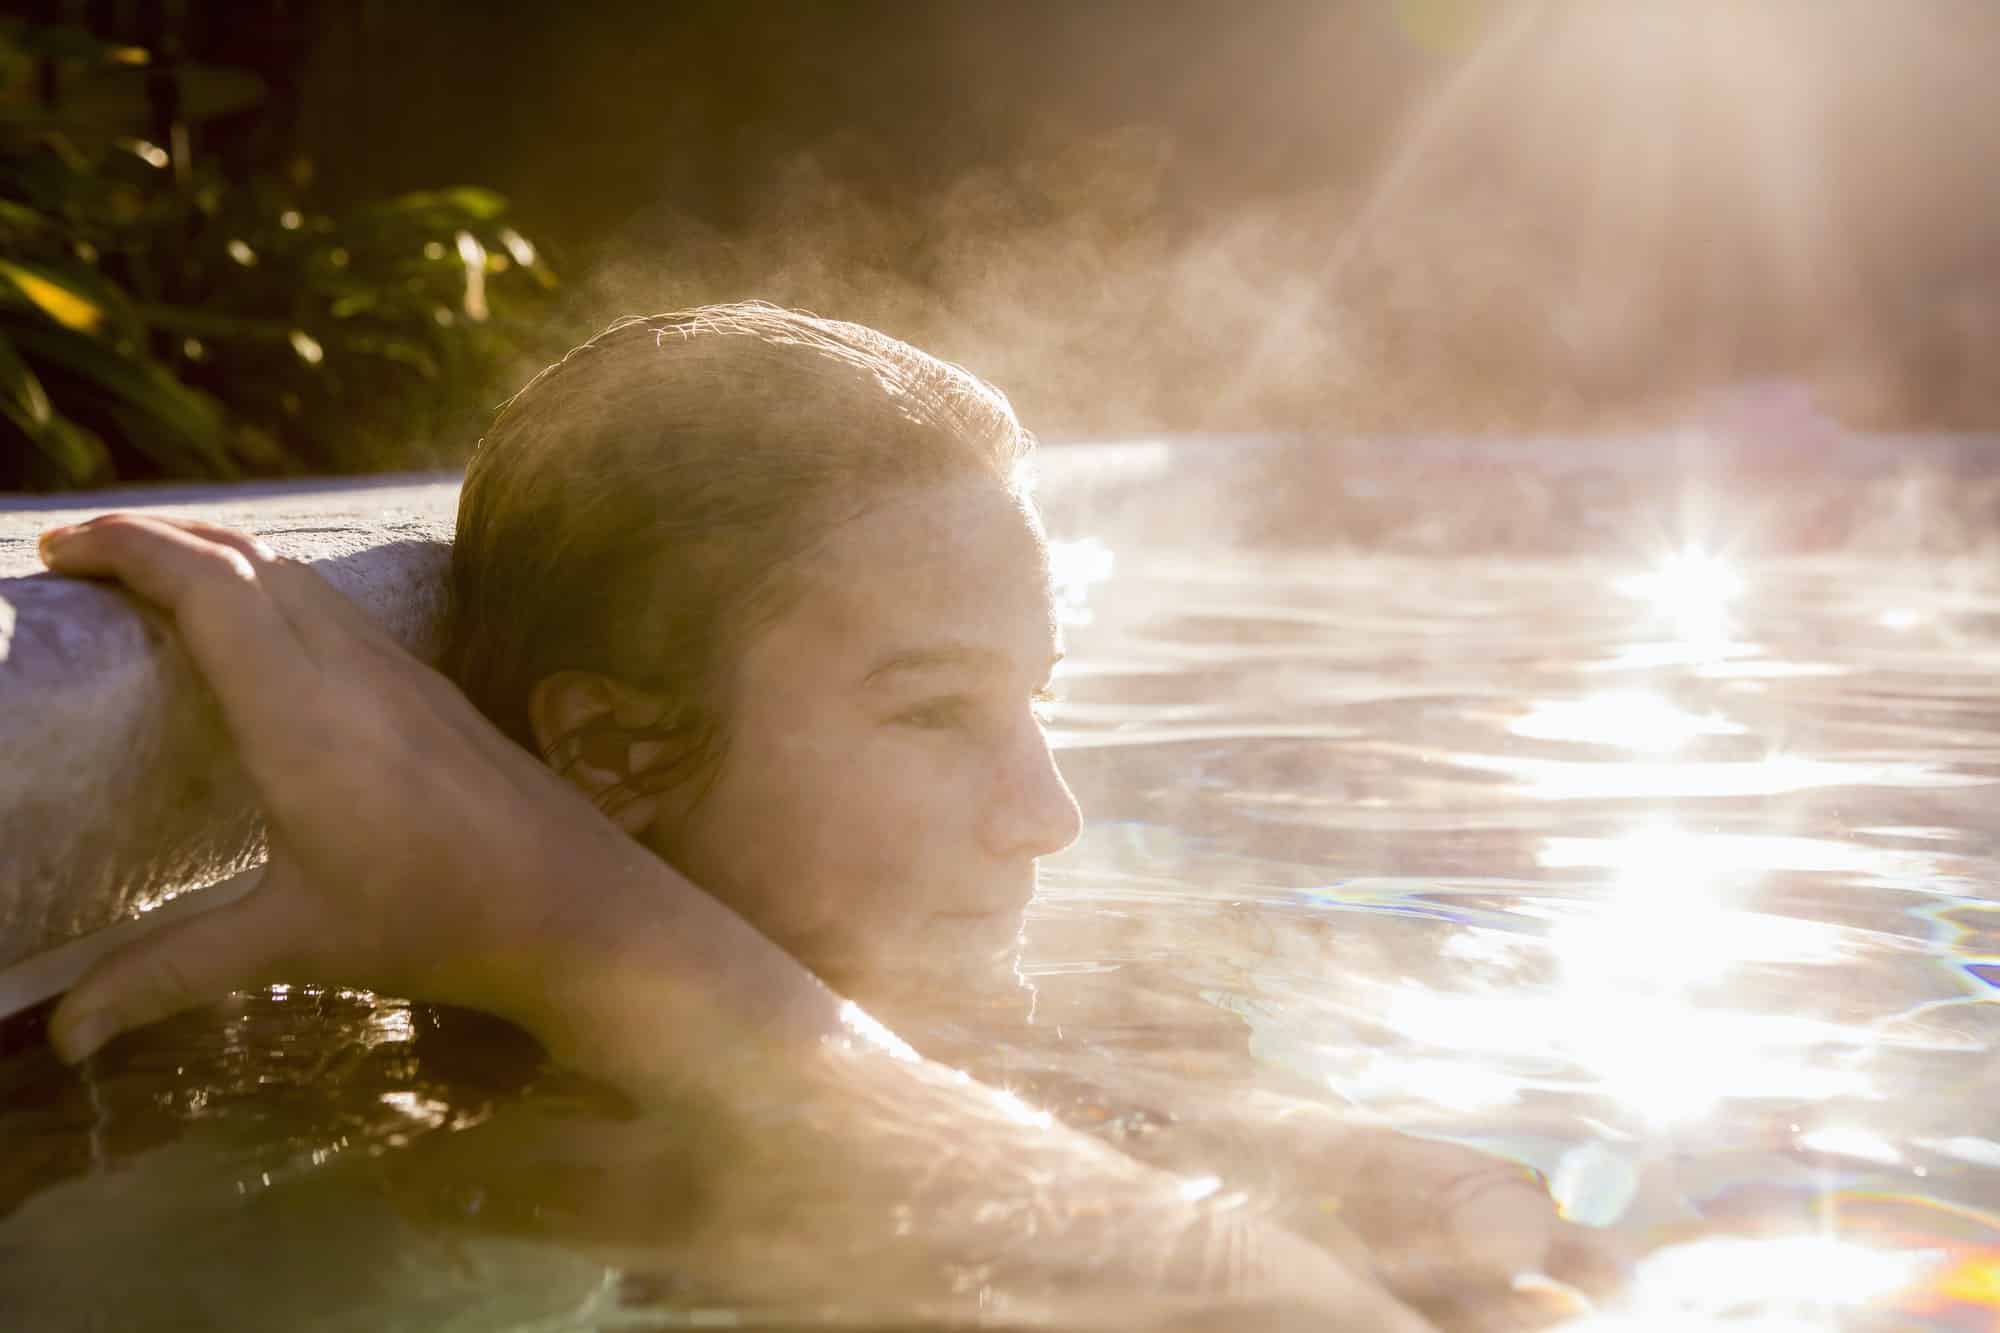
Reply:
x=1453 y=1228
x=414 y=849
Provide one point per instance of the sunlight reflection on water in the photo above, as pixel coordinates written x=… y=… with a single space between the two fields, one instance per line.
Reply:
x=1793 y=1282
x=1706 y=949
x=1636 y=721
x=1713 y=949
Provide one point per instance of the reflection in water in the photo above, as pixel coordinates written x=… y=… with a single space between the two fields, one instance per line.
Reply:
x=426 y=1112
x=1634 y=720
x=1074 y=567
x=1777 y=774
x=1761 y=1284
x=1688 y=599
x=1661 y=925
x=1691 y=591
x=1724 y=853
x=1711 y=951
x=1843 y=1141
x=1899 y=618
x=1718 y=958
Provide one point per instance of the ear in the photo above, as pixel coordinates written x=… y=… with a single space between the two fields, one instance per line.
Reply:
x=587 y=717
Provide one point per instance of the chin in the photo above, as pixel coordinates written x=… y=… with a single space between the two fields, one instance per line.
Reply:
x=939 y=956
x=996 y=933
x=973 y=987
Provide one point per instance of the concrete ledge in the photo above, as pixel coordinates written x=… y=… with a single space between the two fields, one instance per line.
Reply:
x=119 y=789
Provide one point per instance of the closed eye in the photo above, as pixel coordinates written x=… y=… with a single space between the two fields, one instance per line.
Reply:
x=938 y=714
x=957 y=710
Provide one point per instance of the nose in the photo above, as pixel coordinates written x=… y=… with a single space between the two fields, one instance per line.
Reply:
x=1031 y=812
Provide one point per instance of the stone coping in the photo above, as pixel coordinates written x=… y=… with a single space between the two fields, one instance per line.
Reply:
x=120 y=789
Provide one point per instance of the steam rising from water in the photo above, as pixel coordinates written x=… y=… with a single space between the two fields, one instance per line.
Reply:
x=1579 y=215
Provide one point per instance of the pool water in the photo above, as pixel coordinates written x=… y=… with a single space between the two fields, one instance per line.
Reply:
x=1665 y=872
x=1670 y=877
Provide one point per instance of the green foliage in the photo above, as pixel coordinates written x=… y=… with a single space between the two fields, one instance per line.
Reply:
x=160 y=321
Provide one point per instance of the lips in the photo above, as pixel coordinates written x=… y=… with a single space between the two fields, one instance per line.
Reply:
x=1002 y=902
x=1006 y=913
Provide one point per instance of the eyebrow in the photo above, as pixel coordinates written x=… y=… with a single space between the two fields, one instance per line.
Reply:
x=943 y=656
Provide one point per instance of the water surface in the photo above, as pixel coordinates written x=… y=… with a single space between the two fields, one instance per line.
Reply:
x=1665 y=872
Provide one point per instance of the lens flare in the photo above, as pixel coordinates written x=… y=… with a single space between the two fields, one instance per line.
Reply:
x=1761 y=1283
x=1692 y=591
x=1635 y=961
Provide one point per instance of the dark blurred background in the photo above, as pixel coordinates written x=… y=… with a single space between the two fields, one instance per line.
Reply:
x=1135 y=215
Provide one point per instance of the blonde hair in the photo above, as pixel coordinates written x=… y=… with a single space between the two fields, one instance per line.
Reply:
x=635 y=509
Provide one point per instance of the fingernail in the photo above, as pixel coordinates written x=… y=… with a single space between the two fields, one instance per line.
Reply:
x=80 y=1037
x=1550 y=1293
x=47 y=543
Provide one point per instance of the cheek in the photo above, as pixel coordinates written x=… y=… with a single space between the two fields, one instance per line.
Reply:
x=813 y=835
x=878 y=827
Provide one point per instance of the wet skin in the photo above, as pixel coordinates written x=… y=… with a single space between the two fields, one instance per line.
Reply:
x=888 y=786
x=901 y=774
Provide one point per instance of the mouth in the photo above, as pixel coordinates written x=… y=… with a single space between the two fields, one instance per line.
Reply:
x=992 y=918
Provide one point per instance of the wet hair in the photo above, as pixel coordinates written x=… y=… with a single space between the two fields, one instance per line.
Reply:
x=641 y=508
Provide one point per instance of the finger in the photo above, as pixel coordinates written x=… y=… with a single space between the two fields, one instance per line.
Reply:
x=1461 y=1300
x=244 y=646
x=1478 y=1213
x=1590 y=1258
x=193 y=962
x=230 y=595
x=253 y=547
x=307 y=599
x=1499 y=1220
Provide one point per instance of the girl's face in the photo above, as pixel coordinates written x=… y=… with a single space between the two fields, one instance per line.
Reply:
x=887 y=786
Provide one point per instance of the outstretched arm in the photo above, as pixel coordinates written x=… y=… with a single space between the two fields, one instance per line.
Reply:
x=1451 y=1230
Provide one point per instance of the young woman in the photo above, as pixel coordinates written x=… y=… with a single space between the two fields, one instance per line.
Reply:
x=737 y=732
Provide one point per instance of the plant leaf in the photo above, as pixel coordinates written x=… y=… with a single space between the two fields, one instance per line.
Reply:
x=435 y=212
x=215 y=327
x=73 y=296
x=59 y=301
x=21 y=390
x=22 y=220
x=50 y=41
x=175 y=456
x=465 y=201
x=175 y=424
x=79 y=456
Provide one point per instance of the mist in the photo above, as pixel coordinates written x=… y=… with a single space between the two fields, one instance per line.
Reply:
x=1545 y=216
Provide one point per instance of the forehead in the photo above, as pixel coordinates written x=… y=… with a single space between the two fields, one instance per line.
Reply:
x=964 y=561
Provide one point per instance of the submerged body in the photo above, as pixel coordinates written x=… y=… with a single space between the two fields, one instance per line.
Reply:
x=796 y=764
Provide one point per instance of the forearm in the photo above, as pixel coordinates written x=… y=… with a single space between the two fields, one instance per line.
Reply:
x=630 y=973
x=813 y=1134
x=860 y=1161
x=998 y=1181
x=1437 y=1222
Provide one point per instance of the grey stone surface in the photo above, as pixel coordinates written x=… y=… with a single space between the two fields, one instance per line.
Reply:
x=118 y=786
